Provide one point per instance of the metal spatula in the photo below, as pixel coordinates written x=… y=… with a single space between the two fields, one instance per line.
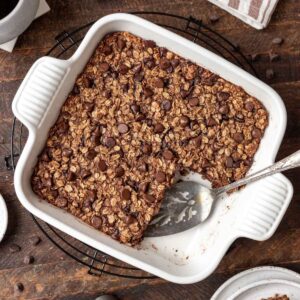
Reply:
x=189 y=203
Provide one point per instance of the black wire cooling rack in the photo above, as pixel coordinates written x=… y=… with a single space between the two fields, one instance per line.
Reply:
x=98 y=263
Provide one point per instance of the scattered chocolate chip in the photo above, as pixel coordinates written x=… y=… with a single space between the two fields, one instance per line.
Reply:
x=87 y=82
x=239 y=117
x=149 y=198
x=91 y=195
x=87 y=204
x=184 y=121
x=139 y=77
x=110 y=142
x=159 y=128
x=71 y=176
x=45 y=157
x=229 y=162
x=210 y=81
x=13 y=248
x=107 y=49
x=168 y=154
x=144 y=187
x=164 y=63
x=175 y=62
x=197 y=140
x=163 y=51
x=270 y=74
x=148 y=122
x=256 y=133
x=96 y=222
x=34 y=240
x=249 y=106
x=19 y=287
x=184 y=94
x=121 y=44
x=211 y=122
x=224 y=109
x=103 y=67
x=28 y=259
x=150 y=63
x=125 y=87
x=140 y=118
x=120 y=172
x=205 y=163
x=148 y=92
x=85 y=173
x=128 y=219
x=166 y=105
x=123 y=69
x=61 y=201
x=95 y=139
x=76 y=90
x=102 y=166
x=91 y=154
x=67 y=152
x=149 y=44
x=133 y=184
x=214 y=18
x=62 y=127
x=143 y=167
x=223 y=96
x=238 y=137
x=135 y=108
x=107 y=94
x=273 y=56
x=137 y=68
x=160 y=177
x=146 y=149
x=158 y=83
x=123 y=128
x=277 y=41
x=126 y=194
x=193 y=101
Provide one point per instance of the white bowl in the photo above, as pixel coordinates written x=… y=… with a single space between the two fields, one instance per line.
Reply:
x=187 y=257
x=3 y=218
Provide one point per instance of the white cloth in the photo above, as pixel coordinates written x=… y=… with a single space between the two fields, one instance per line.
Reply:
x=43 y=8
x=256 y=13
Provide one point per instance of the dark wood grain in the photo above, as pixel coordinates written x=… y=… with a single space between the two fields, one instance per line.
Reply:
x=54 y=275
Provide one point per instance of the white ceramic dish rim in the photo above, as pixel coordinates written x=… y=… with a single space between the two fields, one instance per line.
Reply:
x=293 y=276
x=116 y=253
x=4 y=217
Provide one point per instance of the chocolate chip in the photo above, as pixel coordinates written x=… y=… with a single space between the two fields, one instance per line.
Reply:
x=277 y=41
x=126 y=194
x=166 y=105
x=91 y=154
x=34 y=240
x=71 y=176
x=223 y=96
x=128 y=219
x=102 y=166
x=96 y=222
x=110 y=142
x=224 y=109
x=197 y=140
x=91 y=195
x=163 y=51
x=160 y=177
x=125 y=87
x=87 y=82
x=107 y=49
x=107 y=94
x=210 y=81
x=13 y=248
x=139 y=77
x=270 y=74
x=143 y=167
x=184 y=121
x=123 y=69
x=273 y=56
x=87 y=204
x=45 y=157
x=164 y=63
x=148 y=122
x=150 y=63
x=140 y=118
x=239 y=117
x=214 y=18
x=229 y=162
x=62 y=127
x=238 y=137
x=61 y=201
x=148 y=92
x=103 y=67
x=121 y=44
x=133 y=184
x=95 y=139
x=211 y=122
x=159 y=128
x=120 y=172
x=149 y=44
x=256 y=133
x=149 y=198
x=169 y=70
x=28 y=259
x=123 y=128
x=135 y=108
x=67 y=152
x=144 y=187
x=168 y=154
x=175 y=62
x=146 y=149
x=158 y=83
x=193 y=101
x=19 y=287
x=184 y=94
x=76 y=90
x=249 y=106
x=137 y=68
x=85 y=173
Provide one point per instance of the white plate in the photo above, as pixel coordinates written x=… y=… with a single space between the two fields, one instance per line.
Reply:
x=243 y=281
x=3 y=218
x=187 y=257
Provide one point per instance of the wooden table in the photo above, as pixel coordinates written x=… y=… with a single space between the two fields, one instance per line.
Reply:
x=54 y=275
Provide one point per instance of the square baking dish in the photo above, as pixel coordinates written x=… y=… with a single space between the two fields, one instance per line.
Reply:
x=254 y=212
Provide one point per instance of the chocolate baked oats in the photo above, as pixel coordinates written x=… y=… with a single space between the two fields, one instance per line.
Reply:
x=136 y=116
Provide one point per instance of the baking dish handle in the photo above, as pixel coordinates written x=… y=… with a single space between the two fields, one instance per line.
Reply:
x=37 y=90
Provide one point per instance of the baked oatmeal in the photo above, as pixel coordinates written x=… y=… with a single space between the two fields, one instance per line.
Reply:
x=139 y=114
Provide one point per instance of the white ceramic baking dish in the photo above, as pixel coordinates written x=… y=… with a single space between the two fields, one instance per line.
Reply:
x=254 y=212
